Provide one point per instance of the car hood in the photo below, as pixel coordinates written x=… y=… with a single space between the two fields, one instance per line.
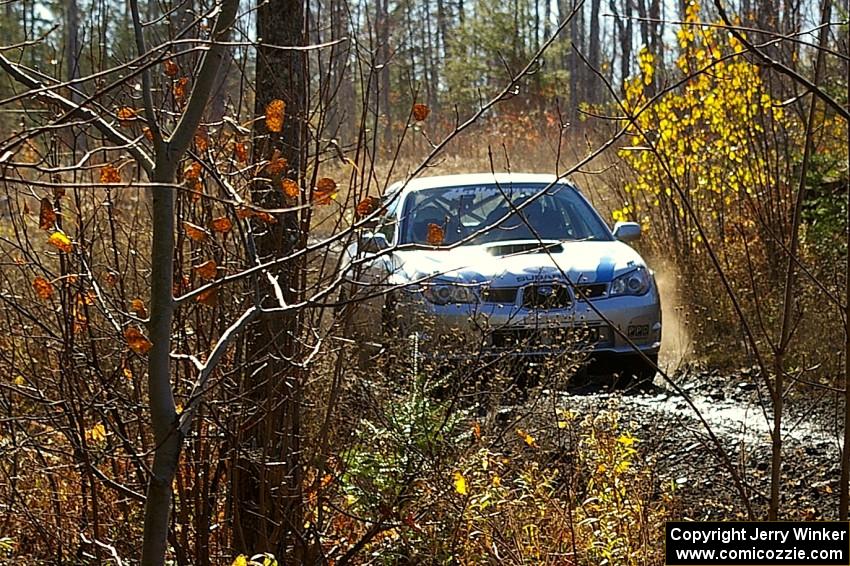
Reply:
x=582 y=262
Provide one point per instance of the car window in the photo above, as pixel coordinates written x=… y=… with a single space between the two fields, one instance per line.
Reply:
x=490 y=213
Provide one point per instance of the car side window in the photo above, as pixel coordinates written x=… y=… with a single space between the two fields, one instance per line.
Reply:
x=387 y=227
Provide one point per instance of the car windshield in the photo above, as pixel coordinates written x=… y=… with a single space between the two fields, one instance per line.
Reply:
x=499 y=213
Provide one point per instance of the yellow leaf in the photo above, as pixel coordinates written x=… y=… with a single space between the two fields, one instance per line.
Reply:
x=497 y=481
x=240 y=560
x=97 y=433
x=460 y=483
x=627 y=439
x=20 y=380
x=61 y=241
x=527 y=438
x=274 y=115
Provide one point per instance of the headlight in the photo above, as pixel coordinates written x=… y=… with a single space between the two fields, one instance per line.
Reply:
x=632 y=283
x=443 y=294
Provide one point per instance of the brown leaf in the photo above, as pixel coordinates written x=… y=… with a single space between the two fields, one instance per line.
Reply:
x=436 y=235
x=222 y=224
x=207 y=270
x=171 y=68
x=109 y=174
x=290 y=188
x=58 y=192
x=265 y=217
x=60 y=241
x=148 y=134
x=195 y=232
x=209 y=297
x=244 y=212
x=241 y=150
x=43 y=288
x=420 y=112
x=276 y=165
x=367 y=206
x=137 y=341
x=180 y=87
x=192 y=171
x=275 y=111
x=46 y=217
x=202 y=139
x=137 y=307
x=325 y=191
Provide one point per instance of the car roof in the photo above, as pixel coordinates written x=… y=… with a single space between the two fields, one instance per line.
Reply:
x=420 y=183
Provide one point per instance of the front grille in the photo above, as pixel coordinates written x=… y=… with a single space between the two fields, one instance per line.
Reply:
x=525 y=247
x=592 y=291
x=499 y=295
x=550 y=338
x=545 y=296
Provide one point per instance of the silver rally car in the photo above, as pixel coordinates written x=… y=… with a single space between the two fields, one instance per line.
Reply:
x=504 y=264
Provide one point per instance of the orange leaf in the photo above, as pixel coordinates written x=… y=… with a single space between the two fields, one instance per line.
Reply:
x=43 y=288
x=420 y=112
x=148 y=134
x=179 y=88
x=126 y=115
x=171 y=68
x=192 y=171
x=435 y=234
x=46 y=217
x=244 y=212
x=265 y=217
x=367 y=206
x=195 y=232
x=137 y=307
x=202 y=139
x=290 y=188
x=325 y=191
x=222 y=224
x=61 y=241
x=137 y=341
x=207 y=270
x=109 y=174
x=276 y=166
x=274 y=115
x=209 y=297
x=241 y=151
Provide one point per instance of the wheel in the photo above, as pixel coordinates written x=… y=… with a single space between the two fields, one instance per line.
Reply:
x=635 y=371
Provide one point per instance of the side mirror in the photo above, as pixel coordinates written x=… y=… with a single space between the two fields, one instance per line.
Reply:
x=373 y=242
x=627 y=231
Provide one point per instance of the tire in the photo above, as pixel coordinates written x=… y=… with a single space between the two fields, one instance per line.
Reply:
x=636 y=372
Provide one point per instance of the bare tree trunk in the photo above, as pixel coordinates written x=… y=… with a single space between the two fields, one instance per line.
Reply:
x=844 y=500
x=268 y=504
x=593 y=53
x=382 y=22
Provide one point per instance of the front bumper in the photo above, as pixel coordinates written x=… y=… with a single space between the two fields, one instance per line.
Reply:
x=601 y=327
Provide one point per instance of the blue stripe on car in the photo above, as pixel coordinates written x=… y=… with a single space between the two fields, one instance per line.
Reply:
x=605 y=271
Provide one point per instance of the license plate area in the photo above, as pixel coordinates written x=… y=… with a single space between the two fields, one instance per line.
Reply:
x=638 y=331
